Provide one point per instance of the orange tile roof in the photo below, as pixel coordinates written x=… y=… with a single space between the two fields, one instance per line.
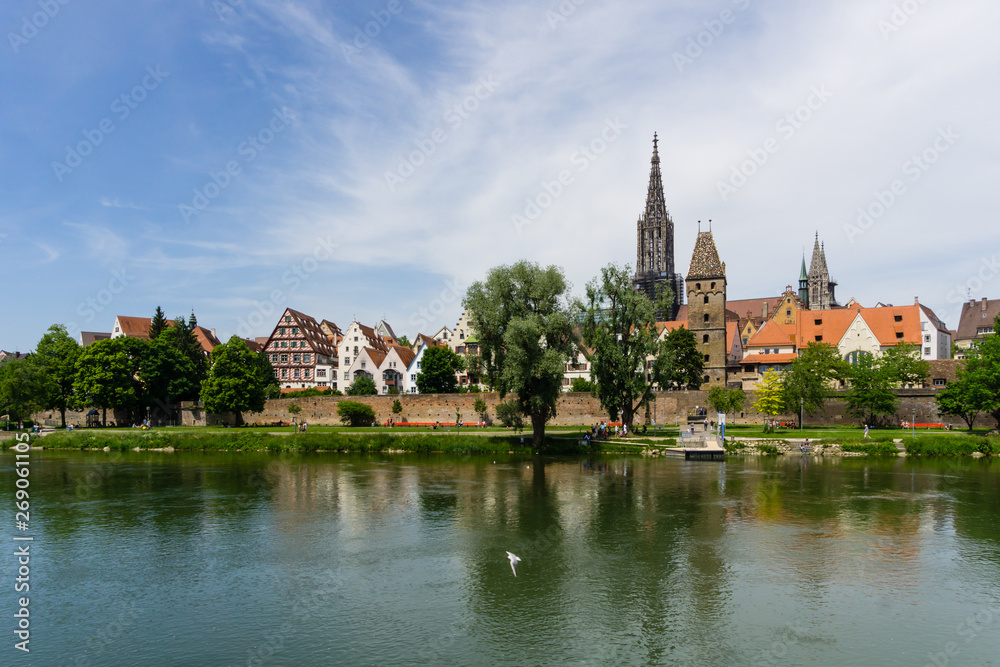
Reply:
x=833 y=324
x=406 y=355
x=882 y=322
x=136 y=327
x=769 y=358
x=772 y=334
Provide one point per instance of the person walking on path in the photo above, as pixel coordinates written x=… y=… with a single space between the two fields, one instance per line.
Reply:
x=866 y=431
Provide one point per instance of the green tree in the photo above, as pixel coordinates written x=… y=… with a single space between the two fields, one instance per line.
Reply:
x=239 y=381
x=353 y=413
x=525 y=334
x=55 y=358
x=869 y=397
x=157 y=324
x=619 y=324
x=294 y=409
x=685 y=363
x=982 y=367
x=727 y=400
x=182 y=336
x=437 y=371
x=583 y=385
x=965 y=397
x=769 y=392
x=511 y=415
x=397 y=408
x=107 y=376
x=168 y=376
x=480 y=407
x=808 y=381
x=363 y=385
x=22 y=388
x=404 y=341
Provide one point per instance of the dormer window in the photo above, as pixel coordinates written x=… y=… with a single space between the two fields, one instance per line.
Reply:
x=898 y=318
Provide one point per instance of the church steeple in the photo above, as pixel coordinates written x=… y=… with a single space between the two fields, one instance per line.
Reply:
x=654 y=262
x=804 y=283
x=821 y=288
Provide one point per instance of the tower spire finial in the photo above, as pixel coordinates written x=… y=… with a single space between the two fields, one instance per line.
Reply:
x=656 y=152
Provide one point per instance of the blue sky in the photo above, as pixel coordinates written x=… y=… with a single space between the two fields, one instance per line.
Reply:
x=370 y=159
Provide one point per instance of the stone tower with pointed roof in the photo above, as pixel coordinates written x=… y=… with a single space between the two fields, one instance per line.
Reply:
x=706 y=293
x=821 y=288
x=654 y=261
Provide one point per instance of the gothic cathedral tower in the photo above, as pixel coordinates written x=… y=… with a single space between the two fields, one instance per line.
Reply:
x=654 y=262
x=821 y=288
x=706 y=292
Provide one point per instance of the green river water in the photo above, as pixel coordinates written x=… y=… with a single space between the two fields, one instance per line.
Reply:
x=247 y=559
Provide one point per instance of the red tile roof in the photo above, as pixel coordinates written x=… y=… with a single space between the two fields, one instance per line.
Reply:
x=770 y=358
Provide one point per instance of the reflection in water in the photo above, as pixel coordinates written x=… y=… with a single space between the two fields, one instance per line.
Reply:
x=247 y=559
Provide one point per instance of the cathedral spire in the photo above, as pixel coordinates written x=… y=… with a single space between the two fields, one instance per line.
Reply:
x=655 y=238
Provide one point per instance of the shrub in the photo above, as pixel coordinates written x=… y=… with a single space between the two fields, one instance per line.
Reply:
x=510 y=415
x=353 y=413
x=943 y=445
x=871 y=448
x=765 y=448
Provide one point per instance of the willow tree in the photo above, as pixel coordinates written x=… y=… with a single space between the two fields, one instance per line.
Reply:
x=523 y=323
x=619 y=325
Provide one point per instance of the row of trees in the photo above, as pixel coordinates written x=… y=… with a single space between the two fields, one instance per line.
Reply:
x=819 y=371
x=135 y=376
x=528 y=328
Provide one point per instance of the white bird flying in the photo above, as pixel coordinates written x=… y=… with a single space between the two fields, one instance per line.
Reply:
x=514 y=560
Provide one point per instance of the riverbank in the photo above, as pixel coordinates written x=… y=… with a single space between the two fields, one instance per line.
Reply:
x=344 y=442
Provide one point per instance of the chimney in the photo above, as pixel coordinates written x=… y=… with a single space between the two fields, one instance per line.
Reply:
x=984 y=304
x=916 y=300
x=213 y=333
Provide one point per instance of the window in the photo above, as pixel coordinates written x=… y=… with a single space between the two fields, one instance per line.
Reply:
x=355 y=340
x=284 y=373
x=418 y=365
x=321 y=372
x=788 y=313
x=288 y=318
x=706 y=358
x=697 y=286
x=305 y=373
x=296 y=359
x=284 y=358
x=413 y=377
x=296 y=373
x=295 y=330
x=706 y=317
x=460 y=349
x=927 y=350
x=713 y=285
x=706 y=298
x=362 y=364
x=818 y=323
x=274 y=358
x=306 y=358
x=281 y=331
x=347 y=375
x=898 y=318
x=275 y=372
x=461 y=336
x=704 y=339
x=940 y=382
x=899 y=335
x=927 y=338
x=819 y=339
x=706 y=380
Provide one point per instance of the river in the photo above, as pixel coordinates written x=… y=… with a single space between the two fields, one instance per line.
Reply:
x=254 y=559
